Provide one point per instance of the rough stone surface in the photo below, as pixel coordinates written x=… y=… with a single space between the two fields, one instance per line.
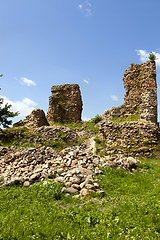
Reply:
x=54 y=133
x=133 y=138
x=36 y=119
x=35 y=164
x=44 y=134
x=84 y=192
x=65 y=104
x=140 y=93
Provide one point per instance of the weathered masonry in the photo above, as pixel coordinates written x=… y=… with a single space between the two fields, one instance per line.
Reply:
x=140 y=93
x=65 y=104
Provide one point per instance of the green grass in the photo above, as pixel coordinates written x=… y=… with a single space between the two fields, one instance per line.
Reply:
x=130 y=208
x=58 y=145
x=100 y=145
x=128 y=119
x=68 y=124
x=23 y=143
x=90 y=125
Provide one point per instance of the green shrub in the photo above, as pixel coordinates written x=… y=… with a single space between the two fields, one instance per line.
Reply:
x=96 y=119
x=152 y=57
x=56 y=145
x=62 y=135
x=90 y=126
x=15 y=143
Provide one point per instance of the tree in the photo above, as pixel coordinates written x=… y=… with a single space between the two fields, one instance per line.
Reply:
x=152 y=57
x=5 y=113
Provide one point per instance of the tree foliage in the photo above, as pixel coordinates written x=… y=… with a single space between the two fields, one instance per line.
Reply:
x=5 y=113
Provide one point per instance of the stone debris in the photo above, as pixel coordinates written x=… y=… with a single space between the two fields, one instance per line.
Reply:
x=54 y=133
x=75 y=167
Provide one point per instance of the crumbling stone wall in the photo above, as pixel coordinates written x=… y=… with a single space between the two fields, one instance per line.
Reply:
x=141 y=90
x=140 y=93
x=65 y=104
x=130 y=138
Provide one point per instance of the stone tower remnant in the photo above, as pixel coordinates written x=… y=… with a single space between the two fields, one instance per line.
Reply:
x=140 y=137
x=140 y=93
x=141 y=90
x=65 y=103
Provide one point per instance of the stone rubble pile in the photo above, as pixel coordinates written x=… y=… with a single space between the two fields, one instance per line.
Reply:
x=74 y=167
x=54 y=133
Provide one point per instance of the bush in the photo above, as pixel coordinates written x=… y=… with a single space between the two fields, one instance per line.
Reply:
x=152 y=57
x=96 y=119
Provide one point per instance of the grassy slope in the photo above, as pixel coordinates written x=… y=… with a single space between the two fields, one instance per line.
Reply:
x=130 y=209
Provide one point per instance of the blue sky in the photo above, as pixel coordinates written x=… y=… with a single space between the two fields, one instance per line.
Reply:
x=91 y=43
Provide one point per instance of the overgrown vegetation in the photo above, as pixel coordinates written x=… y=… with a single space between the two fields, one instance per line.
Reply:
x=68 y=124
x=19 y=137
x=128 y=119
x=90 y=125
x=130 y=208
x=100 y=145
x=23 y=137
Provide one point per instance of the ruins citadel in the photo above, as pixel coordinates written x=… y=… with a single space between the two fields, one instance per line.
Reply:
x=136 y=129
x=123 y=133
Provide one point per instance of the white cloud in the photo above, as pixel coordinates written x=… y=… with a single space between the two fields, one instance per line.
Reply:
x=28 y=82
x=86 y=81
x=24 y=107
x=88 y=3
x=88 y=11
x=85 y=119
x=114 y=98
x=87 y=8
x=80 y=6
x=144 y=56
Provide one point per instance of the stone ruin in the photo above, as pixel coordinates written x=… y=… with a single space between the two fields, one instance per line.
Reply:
x=140 y=93
x=138 y=138
x=36 y=119
x=65 y=104
x=76 y=167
